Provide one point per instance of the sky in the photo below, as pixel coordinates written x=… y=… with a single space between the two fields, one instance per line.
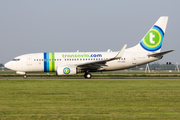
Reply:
x=33 y=26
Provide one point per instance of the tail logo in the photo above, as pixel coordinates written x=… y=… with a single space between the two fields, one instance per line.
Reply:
x=153 y=39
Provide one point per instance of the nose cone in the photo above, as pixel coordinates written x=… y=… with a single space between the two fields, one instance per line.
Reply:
x=8 y=65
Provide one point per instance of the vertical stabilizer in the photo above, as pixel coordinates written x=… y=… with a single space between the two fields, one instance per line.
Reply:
x=152 y=41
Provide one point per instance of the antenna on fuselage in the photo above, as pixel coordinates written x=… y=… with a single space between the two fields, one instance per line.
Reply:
x=109 y=50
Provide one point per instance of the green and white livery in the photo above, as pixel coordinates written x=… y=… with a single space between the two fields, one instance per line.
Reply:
x=72 y=63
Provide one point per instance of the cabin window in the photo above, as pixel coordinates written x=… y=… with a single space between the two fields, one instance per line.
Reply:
x=77 y=59
x=65 y=59
x=124 y=58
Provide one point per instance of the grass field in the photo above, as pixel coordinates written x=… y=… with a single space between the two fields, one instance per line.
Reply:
x=89 y=99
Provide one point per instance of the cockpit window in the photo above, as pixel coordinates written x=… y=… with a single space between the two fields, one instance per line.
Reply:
x=15 y=59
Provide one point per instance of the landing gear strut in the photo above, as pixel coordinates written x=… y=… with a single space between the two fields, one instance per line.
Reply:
x=87 y=75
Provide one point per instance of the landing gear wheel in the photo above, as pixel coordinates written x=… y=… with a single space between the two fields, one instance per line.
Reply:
x=87 y=75
x=24 y=76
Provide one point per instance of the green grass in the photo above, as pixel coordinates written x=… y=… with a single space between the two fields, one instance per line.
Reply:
x=89 y=99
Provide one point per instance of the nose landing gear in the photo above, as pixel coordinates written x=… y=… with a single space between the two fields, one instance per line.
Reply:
x=24 y=76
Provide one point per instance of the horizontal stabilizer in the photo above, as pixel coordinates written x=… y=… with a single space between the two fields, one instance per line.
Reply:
x=160 y=54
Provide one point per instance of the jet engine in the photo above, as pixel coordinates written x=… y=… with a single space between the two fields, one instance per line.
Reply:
x=66 y=70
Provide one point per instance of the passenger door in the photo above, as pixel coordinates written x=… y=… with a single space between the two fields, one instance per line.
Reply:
x=134 y=59
x=29 y=60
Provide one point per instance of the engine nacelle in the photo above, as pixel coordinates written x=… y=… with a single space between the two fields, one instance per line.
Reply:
x=66 y=70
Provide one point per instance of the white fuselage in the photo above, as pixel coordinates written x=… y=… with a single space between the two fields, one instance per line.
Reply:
x=39 y=62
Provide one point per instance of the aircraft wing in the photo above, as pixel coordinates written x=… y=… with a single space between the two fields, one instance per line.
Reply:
x=98 y=64
x=160 y=54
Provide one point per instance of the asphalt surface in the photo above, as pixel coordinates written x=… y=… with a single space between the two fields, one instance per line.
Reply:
x=90 y=79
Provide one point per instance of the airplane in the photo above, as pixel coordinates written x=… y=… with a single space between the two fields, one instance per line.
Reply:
x=72 y=63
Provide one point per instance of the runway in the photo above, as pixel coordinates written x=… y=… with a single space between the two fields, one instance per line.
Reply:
x=92 y=79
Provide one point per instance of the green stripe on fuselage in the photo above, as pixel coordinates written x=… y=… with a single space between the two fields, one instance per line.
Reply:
x=51 y=62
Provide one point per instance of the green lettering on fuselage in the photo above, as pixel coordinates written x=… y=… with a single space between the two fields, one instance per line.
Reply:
x=75 y=56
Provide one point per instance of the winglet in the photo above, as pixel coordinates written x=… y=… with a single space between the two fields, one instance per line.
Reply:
x=120 y=53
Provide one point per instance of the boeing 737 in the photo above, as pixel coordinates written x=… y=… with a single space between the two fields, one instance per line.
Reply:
x=72 y=63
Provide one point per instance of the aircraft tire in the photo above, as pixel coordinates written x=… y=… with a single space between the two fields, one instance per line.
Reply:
x=24 y=76
x=88 y=75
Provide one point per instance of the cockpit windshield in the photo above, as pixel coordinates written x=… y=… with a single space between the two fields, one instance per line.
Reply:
x=15 y=59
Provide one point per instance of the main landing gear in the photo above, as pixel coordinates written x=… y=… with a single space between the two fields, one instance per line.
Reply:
x=87 y=75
